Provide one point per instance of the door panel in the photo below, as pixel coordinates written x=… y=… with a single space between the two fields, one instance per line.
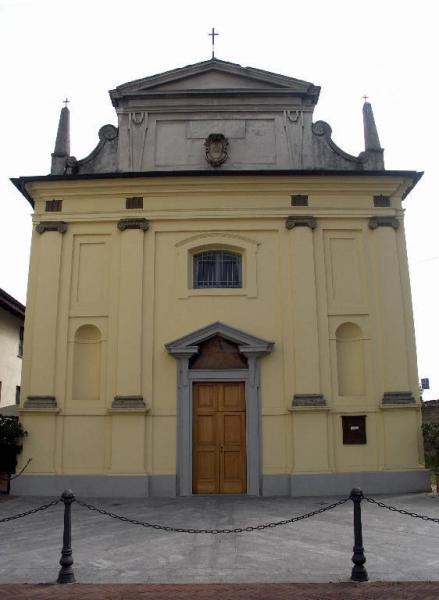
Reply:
x=206 y=430
x=232 y=397
x=232 y=428
x=219 y=453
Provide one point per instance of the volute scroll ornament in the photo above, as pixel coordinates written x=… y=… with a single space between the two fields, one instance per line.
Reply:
x=321 y=128
x=107 y=133
x=43 y=226
x=375 y=222
x=217 y=148
x=300 y=221
x=124 y=224
x=72 y=166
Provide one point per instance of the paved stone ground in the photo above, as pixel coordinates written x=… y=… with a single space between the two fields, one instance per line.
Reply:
x=281 y=591
x=398 y=548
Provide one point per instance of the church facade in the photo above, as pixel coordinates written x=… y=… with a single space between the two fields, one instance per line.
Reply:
x=219 y=300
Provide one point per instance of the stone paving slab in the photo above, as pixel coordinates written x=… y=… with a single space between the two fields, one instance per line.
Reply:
x=398 y=548
x=297 y=591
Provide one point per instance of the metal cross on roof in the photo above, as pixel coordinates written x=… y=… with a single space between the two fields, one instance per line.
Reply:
x=66 y=101
x=212 y=35
x=365 y=98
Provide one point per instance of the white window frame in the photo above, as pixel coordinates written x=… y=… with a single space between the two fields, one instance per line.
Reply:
x=187 y=248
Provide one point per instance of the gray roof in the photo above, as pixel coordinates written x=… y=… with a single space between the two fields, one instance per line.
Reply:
x=11 y=305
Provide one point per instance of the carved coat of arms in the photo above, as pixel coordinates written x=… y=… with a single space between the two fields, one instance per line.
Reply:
x=217 y=147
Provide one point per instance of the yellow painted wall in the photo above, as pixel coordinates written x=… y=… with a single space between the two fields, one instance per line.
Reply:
x=130 y=292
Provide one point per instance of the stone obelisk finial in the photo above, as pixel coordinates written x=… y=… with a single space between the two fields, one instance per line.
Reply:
x=62 y=144
x=372 y=144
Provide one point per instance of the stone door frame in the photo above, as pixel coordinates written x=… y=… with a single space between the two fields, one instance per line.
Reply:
x=253 y=348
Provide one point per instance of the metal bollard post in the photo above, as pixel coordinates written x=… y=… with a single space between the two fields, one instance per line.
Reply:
x=359 y=572
x=66 y=574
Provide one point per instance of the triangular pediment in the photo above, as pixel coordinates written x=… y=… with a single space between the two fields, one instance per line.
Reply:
x=213 y=75
x=212 y=79
x=247 y=342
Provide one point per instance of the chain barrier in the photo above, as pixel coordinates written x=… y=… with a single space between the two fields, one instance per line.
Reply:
x=401 y=511
x=31 y=512
x=22 y=470
x=168 y=528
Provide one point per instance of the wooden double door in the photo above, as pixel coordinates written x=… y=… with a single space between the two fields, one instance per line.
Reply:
x=218 y=438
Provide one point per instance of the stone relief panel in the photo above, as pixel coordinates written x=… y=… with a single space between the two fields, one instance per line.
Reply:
x=173 y=148
x=251 y=142
x=91 y=266
x=345 y=273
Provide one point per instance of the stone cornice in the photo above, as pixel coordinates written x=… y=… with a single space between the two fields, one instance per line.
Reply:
x=398 y=398
x=308 y=400
x=40 y=403
x=43 y=226
x=128 y=404
x=300 y=221
x=375 y=222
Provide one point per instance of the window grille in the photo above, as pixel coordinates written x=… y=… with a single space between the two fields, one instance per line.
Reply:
x=217 y=269
x=134 y=202
x=53 y=205
x=381 y=201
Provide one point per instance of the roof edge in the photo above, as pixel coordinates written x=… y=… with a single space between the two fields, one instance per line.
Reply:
x=11 y=305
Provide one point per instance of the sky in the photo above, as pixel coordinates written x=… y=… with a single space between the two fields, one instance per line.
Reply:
x=387 y=49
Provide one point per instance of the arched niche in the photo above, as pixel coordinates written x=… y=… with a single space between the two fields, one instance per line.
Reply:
x=350 y=360
x=86 y=382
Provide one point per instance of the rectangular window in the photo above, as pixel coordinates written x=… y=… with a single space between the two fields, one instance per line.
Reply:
x=354 y=430
x=20 y=342
x=17 y=394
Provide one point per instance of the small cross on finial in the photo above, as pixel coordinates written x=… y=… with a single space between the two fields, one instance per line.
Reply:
x=212 y=35
x=66 y=101
x=365 y=98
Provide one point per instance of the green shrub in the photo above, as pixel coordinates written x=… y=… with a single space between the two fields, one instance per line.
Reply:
x=431 y=445
x=11 y=432
x=11 y=435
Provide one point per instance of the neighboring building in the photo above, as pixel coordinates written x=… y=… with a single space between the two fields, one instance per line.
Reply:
x=219 y=300
x=11 y=351
x=430 y=411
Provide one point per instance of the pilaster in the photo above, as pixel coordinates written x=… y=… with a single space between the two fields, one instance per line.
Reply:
x=390 y=309
x=45 y=317
x=129 y=355
x=303 y=282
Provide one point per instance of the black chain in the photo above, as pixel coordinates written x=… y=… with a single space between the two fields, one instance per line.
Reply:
x=30 y=512
x=212 y=531
x=22 y=470
x=402 y=511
